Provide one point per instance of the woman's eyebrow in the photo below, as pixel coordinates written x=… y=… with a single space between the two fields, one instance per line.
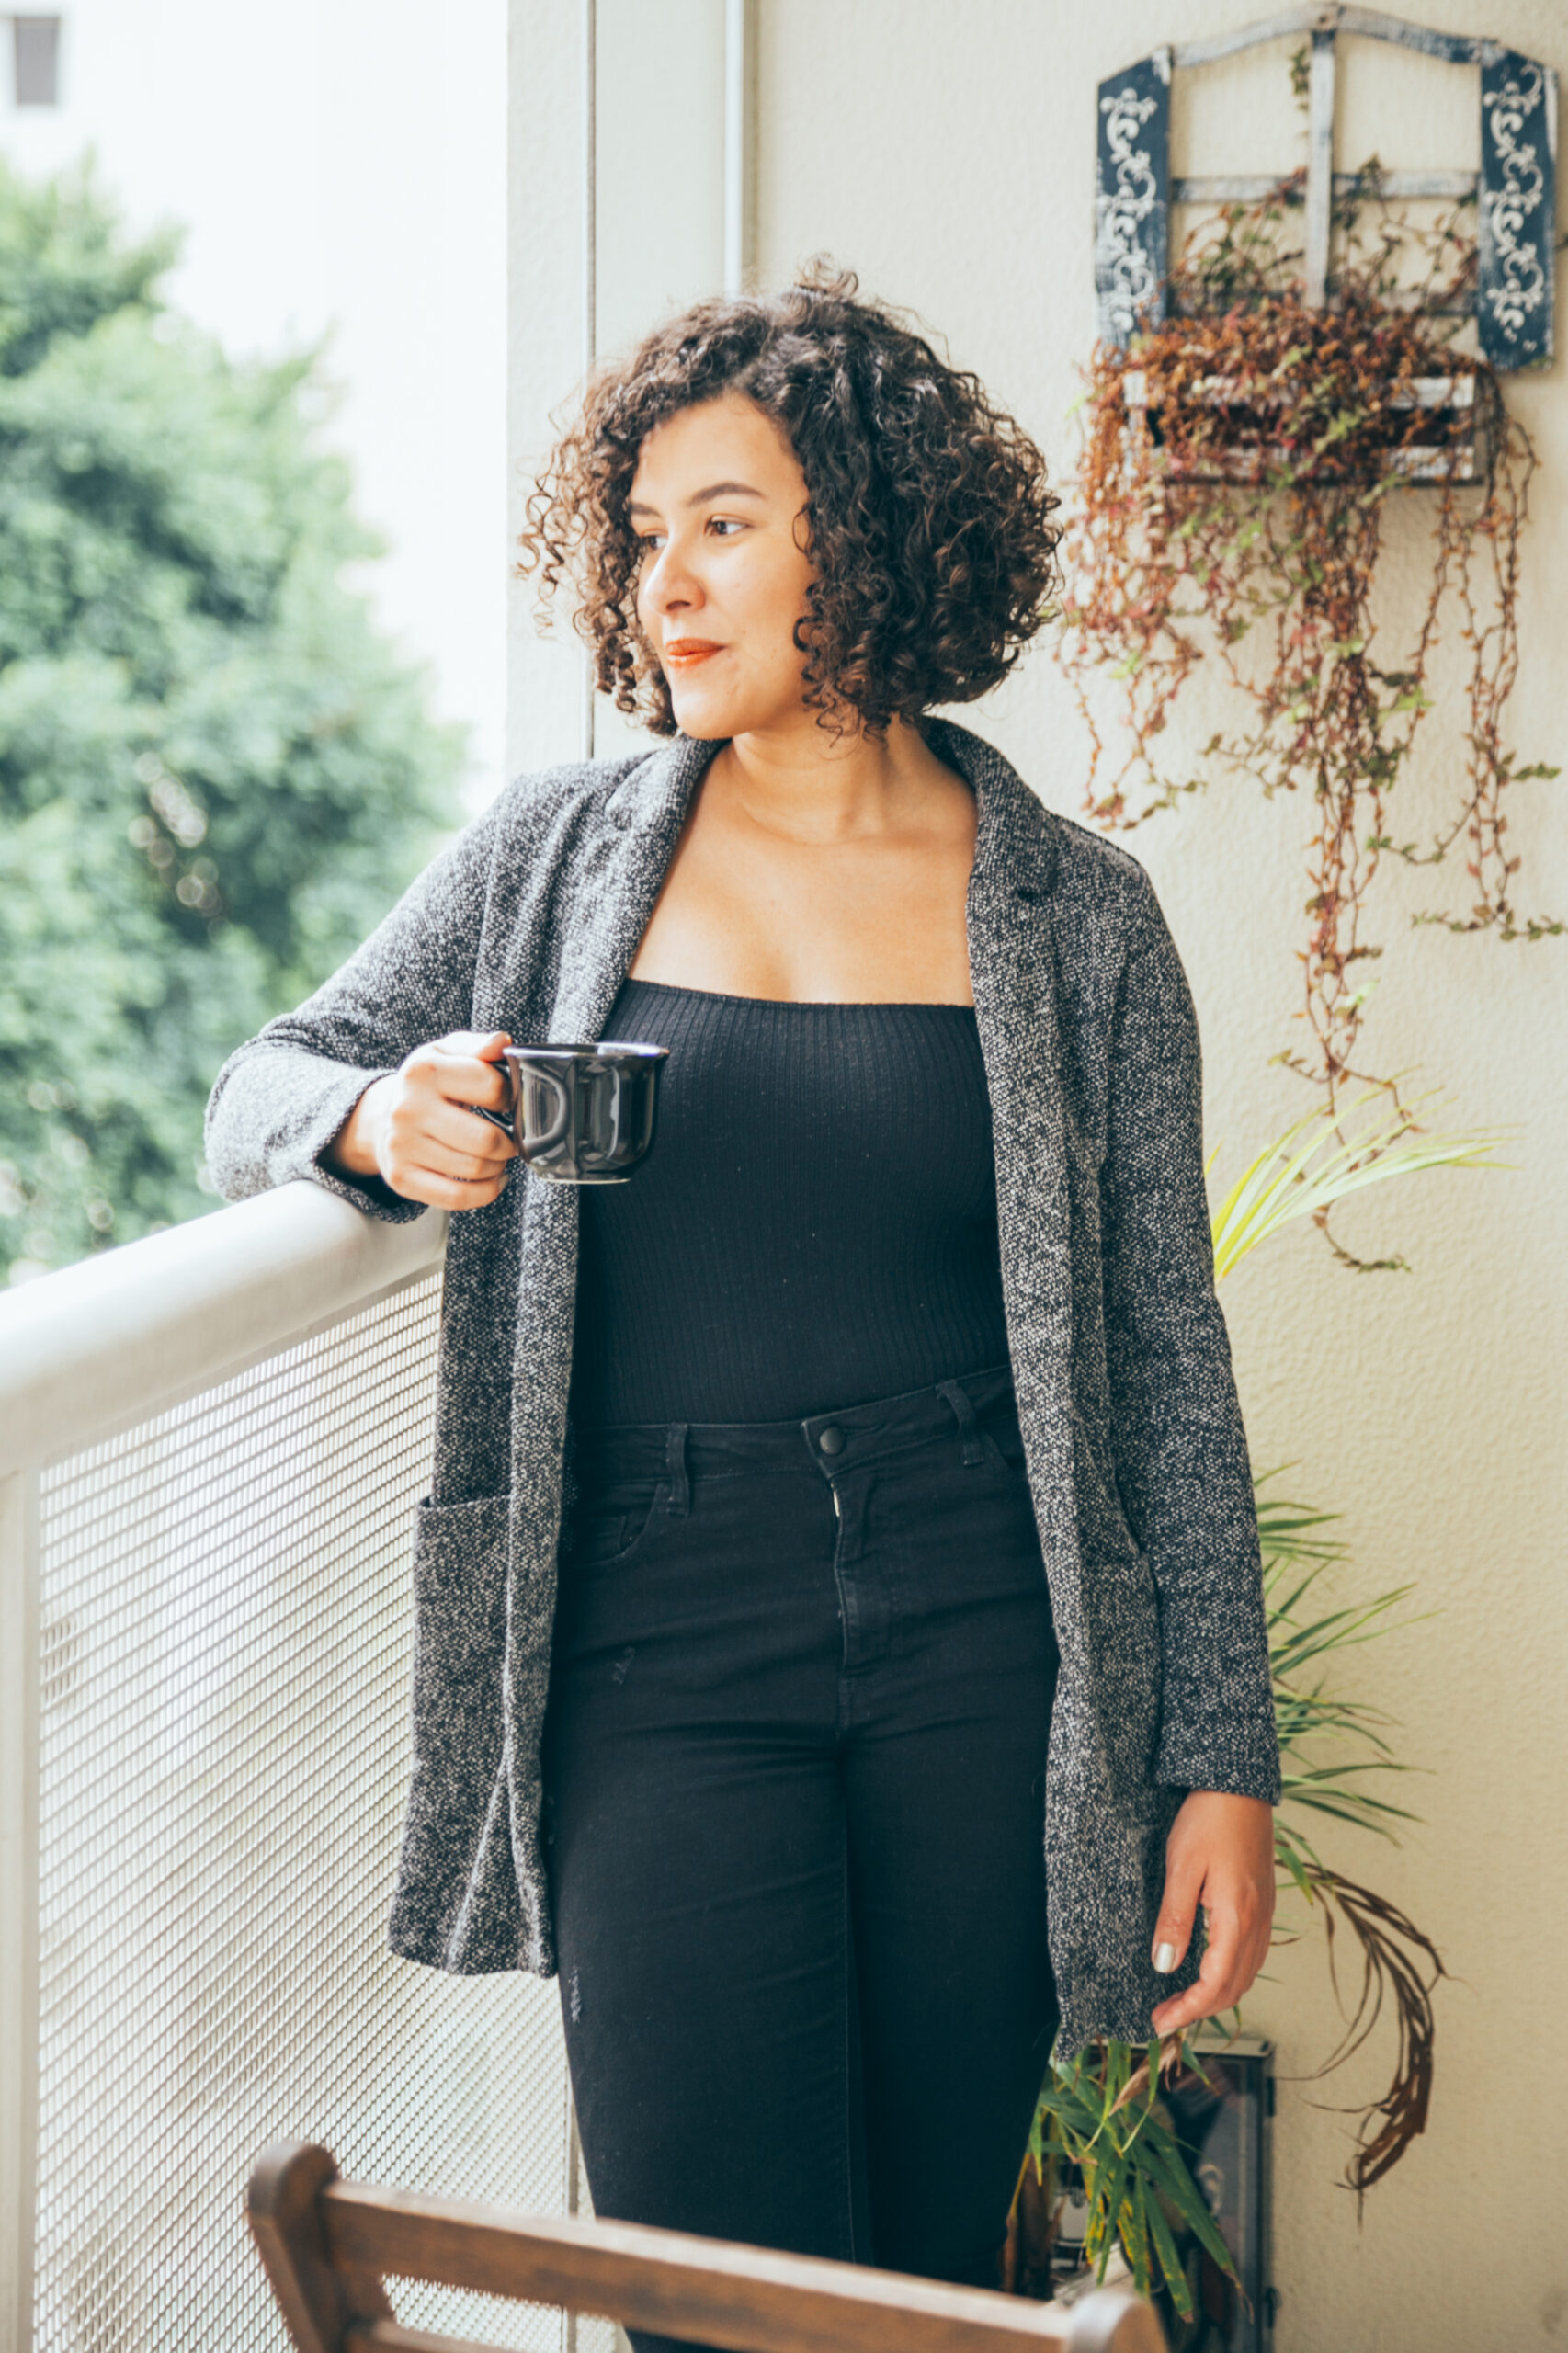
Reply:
x=714 y=490
x=724 y=490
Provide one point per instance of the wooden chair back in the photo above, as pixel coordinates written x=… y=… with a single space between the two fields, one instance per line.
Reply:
x=329 y=2245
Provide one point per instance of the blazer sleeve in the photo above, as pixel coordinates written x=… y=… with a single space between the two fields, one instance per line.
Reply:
x=280 y=1099
x=1182 y=1463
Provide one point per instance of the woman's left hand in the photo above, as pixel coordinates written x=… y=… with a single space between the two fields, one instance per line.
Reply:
x=1219 y=1854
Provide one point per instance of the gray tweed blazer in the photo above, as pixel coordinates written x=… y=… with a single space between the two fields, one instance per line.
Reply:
x=1133 y=1439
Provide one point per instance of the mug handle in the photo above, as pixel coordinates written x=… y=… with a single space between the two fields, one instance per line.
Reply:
x=555 y=1133
x=502 y=1120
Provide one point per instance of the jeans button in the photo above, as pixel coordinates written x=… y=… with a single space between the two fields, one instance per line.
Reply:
x=831 y=1440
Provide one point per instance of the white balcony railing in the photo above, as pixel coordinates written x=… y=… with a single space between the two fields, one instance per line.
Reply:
x=211 y=1444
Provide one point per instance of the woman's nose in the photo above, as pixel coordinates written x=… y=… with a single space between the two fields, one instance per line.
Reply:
x=670 y=584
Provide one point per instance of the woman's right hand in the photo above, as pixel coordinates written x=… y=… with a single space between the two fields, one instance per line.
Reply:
x=413 y=1130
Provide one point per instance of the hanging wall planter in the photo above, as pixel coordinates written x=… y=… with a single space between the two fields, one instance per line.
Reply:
x=1514 y=190
x=1251 y=414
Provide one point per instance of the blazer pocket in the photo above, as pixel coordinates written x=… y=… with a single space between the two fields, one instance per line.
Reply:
x=460 y=1617
x=1121 y=1616
x=1102 y=1523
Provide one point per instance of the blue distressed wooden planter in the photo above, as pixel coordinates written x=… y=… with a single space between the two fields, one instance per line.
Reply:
x=1516 y=189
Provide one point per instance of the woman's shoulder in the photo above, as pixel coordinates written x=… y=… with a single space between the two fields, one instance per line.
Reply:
x=1091 y=866
x=1049 y=852
x=569 y=788
x=1101 y=893
x=542 y=825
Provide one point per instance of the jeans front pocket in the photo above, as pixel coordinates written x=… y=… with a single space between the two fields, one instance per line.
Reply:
x=609 y=1523
x=1004 y=1443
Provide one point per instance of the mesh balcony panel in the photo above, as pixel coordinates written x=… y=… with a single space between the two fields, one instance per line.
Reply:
x=225 y=1652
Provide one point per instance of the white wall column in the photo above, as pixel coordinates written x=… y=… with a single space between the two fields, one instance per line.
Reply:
x=19 y=1901
x=663 y=161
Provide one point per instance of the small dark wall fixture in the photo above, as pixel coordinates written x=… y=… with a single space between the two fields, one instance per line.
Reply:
x=35 y=50
x=1516 y=189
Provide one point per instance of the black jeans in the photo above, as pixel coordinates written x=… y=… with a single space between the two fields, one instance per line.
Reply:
x=794 y=1762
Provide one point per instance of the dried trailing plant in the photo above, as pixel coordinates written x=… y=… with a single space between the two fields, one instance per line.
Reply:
x=1232 y=519
x=1108 y=2113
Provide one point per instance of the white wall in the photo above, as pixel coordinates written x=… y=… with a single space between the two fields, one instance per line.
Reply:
x=341 y=169
x=947 y=154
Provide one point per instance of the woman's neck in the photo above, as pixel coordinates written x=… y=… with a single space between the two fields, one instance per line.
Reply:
x=805 y=785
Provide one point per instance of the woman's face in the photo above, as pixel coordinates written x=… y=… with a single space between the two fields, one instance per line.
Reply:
x=718 y=503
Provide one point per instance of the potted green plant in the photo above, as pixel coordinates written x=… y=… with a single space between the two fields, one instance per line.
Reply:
x=1105 y=2133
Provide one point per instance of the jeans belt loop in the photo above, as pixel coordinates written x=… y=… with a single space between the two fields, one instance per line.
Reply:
x=677 y=1471
x=973 y=1451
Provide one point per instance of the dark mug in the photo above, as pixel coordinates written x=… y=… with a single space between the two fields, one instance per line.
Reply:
x=581 y=1114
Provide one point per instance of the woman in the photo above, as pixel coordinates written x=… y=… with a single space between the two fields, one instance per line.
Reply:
x=841 y=1536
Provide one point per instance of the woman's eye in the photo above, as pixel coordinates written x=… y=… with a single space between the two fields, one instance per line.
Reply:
x=649 y=541
x=726 y=523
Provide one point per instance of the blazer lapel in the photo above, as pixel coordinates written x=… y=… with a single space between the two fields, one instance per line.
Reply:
x=627 y=862
x=643 y=817
x=1013 y=956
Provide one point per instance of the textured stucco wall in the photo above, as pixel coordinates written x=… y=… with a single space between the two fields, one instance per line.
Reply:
x=946 y=154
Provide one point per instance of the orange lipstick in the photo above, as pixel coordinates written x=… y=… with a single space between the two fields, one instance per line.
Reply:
x=685 y=652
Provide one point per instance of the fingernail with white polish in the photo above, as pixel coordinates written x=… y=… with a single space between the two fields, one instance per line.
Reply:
x=1164 y=1958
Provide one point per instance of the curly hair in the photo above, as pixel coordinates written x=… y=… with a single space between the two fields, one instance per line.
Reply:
x=927 y=506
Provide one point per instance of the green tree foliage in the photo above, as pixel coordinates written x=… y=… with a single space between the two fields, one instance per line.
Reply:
x=214 y=776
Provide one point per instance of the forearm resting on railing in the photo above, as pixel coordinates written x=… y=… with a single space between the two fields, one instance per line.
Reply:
x=353 y=1149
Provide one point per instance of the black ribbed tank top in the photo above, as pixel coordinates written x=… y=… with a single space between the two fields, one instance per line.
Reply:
x=817 y=1222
